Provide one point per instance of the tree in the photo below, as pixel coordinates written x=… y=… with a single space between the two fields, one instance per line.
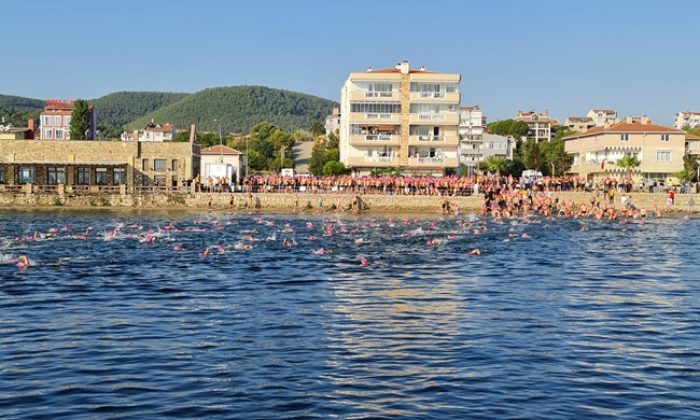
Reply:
x=323 y=152
x=496 y=164
x=317 y=128
x=532 y=156
x=557 y=160
x=510 y=127
x=80 y=120
x=628 y=163
x=690 y=165
x=333 y=167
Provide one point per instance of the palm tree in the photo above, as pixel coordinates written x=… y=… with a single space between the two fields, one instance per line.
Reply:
x=628 y=163
x=496 y=164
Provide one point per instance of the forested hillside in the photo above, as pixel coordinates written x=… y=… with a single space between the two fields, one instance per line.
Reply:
x=117 y=109
x=239 y=108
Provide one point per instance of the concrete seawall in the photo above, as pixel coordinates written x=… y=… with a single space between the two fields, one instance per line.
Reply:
x=285 y=202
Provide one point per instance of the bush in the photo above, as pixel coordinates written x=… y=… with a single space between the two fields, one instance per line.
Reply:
x=334 y=167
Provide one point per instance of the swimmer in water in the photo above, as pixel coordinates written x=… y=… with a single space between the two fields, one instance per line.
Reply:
x=475 y=251
x=23 y=262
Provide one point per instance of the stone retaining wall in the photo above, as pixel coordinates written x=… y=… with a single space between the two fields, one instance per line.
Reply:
x=285 y=202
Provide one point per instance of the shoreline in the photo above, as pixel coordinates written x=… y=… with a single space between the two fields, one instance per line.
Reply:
x=306 y=203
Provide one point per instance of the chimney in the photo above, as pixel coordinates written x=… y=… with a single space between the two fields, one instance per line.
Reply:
x=193 y=134
x=422 y=68
x=369 y=69
x=30 y=125
x=645 y=120
x=403 y=67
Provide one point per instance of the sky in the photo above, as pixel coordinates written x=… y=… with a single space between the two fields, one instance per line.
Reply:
x=635 y=56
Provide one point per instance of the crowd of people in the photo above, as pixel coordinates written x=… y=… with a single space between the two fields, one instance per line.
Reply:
x=425 y=185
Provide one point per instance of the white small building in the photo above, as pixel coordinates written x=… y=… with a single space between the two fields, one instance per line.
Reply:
x=332 y=123
x=151 y=132
x=221 y=161
x=473 y=152
x=471 y=123
x=687 y=119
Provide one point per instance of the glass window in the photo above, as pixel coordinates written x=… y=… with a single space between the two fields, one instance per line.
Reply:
x=59 y=134
x=55 y=175
x=663 y=156
x=101 y=176
x=159 y=180
x=48 y=134
x=66 y=121
x=118 y=176
x=159 y=165
x=376 y=107
x=664 y=137
x=146 y=181
x=173 y=181
x=83 y=176
x=624 y=137
x=26 y=174
x=3 y=175
x=175 y=165
x=144 y=164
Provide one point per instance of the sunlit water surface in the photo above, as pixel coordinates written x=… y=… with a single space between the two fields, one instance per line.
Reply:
x=548 y=322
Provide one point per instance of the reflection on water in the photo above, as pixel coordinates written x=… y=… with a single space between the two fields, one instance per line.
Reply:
x=129 y=315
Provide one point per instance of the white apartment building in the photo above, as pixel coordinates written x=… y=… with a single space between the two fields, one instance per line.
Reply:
x=539 y=124
x=579 y=124
x=603 y=117
x=151 y=132
x=687 y=119
x=473 y=152
x=400 y=117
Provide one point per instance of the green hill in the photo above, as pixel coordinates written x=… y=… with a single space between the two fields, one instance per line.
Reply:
x=238 y=108
x=19 y=103
x=120 y=108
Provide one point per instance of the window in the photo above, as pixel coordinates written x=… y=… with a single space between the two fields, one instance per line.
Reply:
x=379 y=90
x=3 y=175
x=144 y=164
x=55 y=175
x=26 y=174
x=175 y=165
x=56 y=120
x=48 y=134
x=427 y=108
x=159 y=180
x=664 y=137
x=146 y=181
x=101 y=176
x=66 y=121
x=159 y=165
x=663 y=155
x=173 y=181
x=83 y=176
x=376 y=107
x=45 y=120
x=624 y=137
x=59 y=134
x=118 y=176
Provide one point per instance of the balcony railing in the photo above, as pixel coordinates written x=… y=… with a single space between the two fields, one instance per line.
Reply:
x=382 y=116
x=378 y=94
x=430 y=137
x=379 y=159
x=432 y=94
x=432 y=117
x=428 y=159
x=380 y=137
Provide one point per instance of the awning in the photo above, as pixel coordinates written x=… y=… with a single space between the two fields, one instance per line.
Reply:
x=385 y=128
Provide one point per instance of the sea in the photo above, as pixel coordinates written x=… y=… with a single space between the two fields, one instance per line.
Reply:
x=257 y=316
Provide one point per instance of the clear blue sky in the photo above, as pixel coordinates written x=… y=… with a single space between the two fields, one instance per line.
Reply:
x=564 y=56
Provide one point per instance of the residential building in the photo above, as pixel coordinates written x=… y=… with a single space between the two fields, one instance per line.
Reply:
x=473 y=152
x=471 y=123
x=603 y=117
x=596 y=152
x=151 y=132
x=579 y=124
x=10 y=132
x=687 y=119
x=56 y=117
x=692 y=145
x=332 y=123
x=222 y=161
x=540 y=125
x=80 y=165
x=400 y=117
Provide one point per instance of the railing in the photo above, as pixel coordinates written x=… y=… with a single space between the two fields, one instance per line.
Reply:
x=376 y=115
x=45 y=189
x=432 y=117
x=432 y=94
x=379 y=159
x=382 y=137
x=428 y=159
x=12 y=188
x=430 y=138
x=378 y=94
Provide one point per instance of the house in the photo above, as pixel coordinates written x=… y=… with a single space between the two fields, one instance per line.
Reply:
x=221 y=161
x=151 y=132
x=579 y=124
x=596 y=152
x=603 y=117
x=540 y=125
x=56 y=117
x=10 y=132
x=687 y=119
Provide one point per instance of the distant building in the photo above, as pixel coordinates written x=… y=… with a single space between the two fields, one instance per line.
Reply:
x=473 y=152
x=10 y=132
x=332 y=123
x=692 y=145
x=603 y=117
x=579 y=124
x=471 y=123
x=540 y=125
x=151 y=132
x=56 y=117
x=401 y=117
x=687 y=119
x=596 y=152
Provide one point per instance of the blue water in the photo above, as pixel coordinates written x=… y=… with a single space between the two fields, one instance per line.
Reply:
x=558 y=324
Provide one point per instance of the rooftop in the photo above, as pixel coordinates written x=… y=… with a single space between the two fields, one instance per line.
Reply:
x=219 y=149
x=625 y=127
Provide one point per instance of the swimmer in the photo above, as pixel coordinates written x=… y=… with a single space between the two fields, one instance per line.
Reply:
x=23 y=262
x=364 y=262
x=475 y=251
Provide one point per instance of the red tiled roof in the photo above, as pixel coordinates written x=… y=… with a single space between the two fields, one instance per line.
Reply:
x=691 y=137
x=219 y=149
x=624 y=127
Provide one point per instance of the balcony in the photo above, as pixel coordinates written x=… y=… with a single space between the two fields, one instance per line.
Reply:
x=435 y=96
x=374 y=161
x=425 y=139
x=364 y=95
x=433 y=161
x=439 y=118
x=380 y=139
x=374 y=118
